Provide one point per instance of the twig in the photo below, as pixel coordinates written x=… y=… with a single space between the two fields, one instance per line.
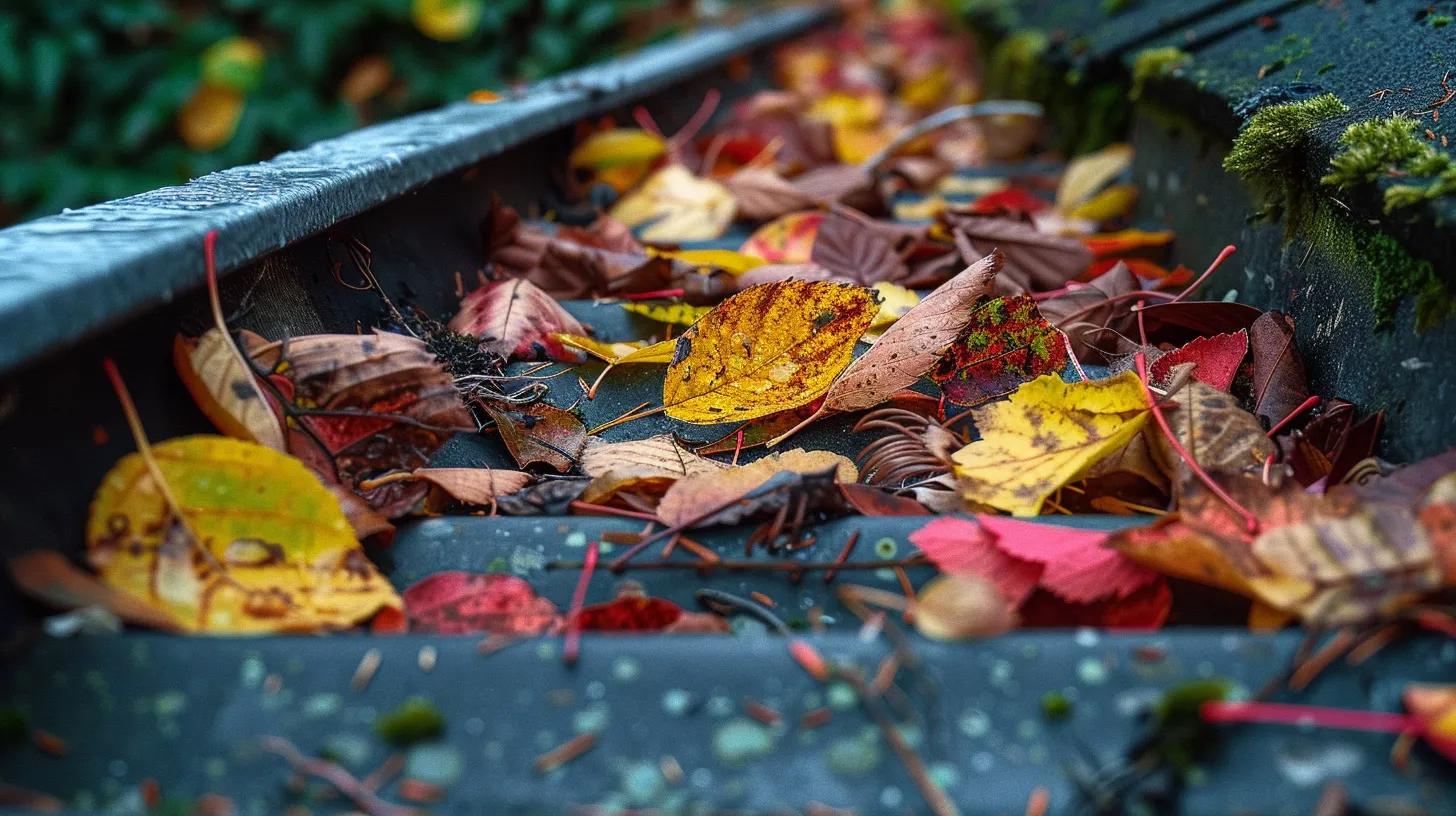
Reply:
x=572 y=649
x=335 y=775
x=565 y=752
x=842 y=557
x=745 y=565
x=939 y=803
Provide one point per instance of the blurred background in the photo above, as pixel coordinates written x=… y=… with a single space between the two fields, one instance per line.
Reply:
x=105 y=98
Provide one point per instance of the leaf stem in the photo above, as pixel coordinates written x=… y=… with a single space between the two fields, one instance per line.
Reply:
x=209 y=257
x=1217 y=262
x=1303 y=406
x=571 y=650
x=1223 y=711
x=790 y=432
x=625 y=418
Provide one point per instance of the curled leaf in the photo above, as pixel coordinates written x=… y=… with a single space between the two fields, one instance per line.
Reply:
x=539 y=433
x=515 y=319
x=673 y=206
x=223 y=388
x=1215 y=359
x=693 y=495
x=849 y=248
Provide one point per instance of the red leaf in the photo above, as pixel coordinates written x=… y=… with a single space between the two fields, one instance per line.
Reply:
x=1215 y=359
x=539 y=433
x=1147 y=608
x=1015 y=200
x=633 y=613
x=1280 y=385
x=515 y=319
x=1007 y=343
x=960 y=545
x=1186 y=320
x=457 y=603
x=869 y=500
x=1078 y=567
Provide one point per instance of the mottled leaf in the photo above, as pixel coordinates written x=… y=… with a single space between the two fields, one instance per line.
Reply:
x=539 y=433
x=515 y=319
x=463 y=603
x=225 y=389
x=1006 y=343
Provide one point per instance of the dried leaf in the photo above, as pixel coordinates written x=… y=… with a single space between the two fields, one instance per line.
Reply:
x=765 y=350
x=261 y=546
x=1087 y=317
x=895 y=302
x=1279 y=382
x=763 y=194
x=844 y=246
x=366 y=404
x=1047 y=434
x=51 y=578
x=1215 y=429
x=1035 y=261
x=773 y=273
x=1006 y=343
x=224 y=389
x=1188 y=320
x=539 y=433
x=654 y=456
x=1215 y=359
x=868 y=500
x=515 y=319
x=474 y=485
x=961 y=607
x=707 y=260
x=673 y=206
x=694 y=495
x=463 y=603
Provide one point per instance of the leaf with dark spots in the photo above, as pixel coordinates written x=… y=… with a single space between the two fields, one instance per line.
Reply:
x=462 y=603
x=1008 y=342
x=759 y=487
x=515 y=319
x=539 y=433
x=1035 y=261
x=1280 y=385
x=548 y=498
x=847 y=247
x=758 y=432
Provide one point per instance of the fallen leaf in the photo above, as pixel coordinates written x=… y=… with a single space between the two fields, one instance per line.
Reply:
x=1212 y=426
x=654 y=456
x=1146 y=609
x=762 y=194
x=895 y=302
x=767 y=349
x=634 y=612
x=225 y=390
x=786 y=240
x=758 y=432
x=1088 y=317
x=673 y=206
x=696 y=494
x=683 y=314
x=846 y=247
x=912 y=347
x=636 y=352
x=515 y=319
x=365 y=404
x=539 y=433
x=463 y=603
x=609 y=148
x=1006 y=343
x=1215 y=359
x=552 y=497
x=1187 y=320
x=261 y=545
x=773 y=273
x=51 y=578
x=1116 y=201
x=726 y=260
x=1280 y=385
x=1088 y=174
x=1035 y=261
x=869 y=500
x=1434 y=706
x=960 y=607
x=478 y=486
x=1127 y=242
x=1047 y=434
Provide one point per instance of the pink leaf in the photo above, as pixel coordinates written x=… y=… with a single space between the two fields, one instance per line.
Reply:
x=457 y=602
x=515 y=319
x=1215 y=359
x=1078 y=567
x=960 y=545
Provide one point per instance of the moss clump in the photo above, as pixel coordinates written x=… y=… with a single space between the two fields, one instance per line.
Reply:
x=1155 y=63
x=1376 y=148
x=1440 y=20
x=1055 y=706
x=1015 y=69
x=1393 y=272
x=416 y=720
x=1271 y=143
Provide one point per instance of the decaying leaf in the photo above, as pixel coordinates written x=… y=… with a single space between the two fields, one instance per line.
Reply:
x=539 y=433
x=960 y=607
x=1046 y=435
x=1088 y=316
x=1212 y=426
x=673 y=206
x=462 y=603
x=479 y=486
x=767 y=349
x=1279 y=382
x=261 y=546
x=1035 y=261
x=1006 y=343
x=225 y=390
x=848 y=248
x=654 y=456
x=365 y=404
x=515 y=319
x=694 y=495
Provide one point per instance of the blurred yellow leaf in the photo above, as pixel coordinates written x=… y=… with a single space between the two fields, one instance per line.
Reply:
x=609 y=148
x=734 y=263
x=683 y=314
x=235 y=63
x=855 y=144
x=222 y=388
x=447 y=20
x=262 y=545
x=1114 y=202
x=208 y=120
x=845 y=109
x=767 y=349
x=1045 y=436
x=673 y=206
x=1086 y=175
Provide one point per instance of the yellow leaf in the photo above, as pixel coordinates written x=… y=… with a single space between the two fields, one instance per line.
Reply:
x=923 y=209
x=222 y=388
x=1114 y=202
x=895 y=301
x=767 y=349
x=447 y=20
x=734 y=263
x=697 y=492
x=1086 y=175
x=209 y=119
x=856 y=144
x=683 y=314
x=1045 y=436
x=609 y=148
x=273 y=551
x=673 y=206
x=846 y=109
x=785 y=240
x=637 y=351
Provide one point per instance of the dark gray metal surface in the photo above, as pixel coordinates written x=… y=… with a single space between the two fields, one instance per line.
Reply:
x=65 y=277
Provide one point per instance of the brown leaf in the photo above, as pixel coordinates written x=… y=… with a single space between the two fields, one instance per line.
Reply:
x=694 y=495
x=654 y=456
x=849 y=183
x=763 y=194
x=474 y=485
x=225 y=389
x=1035 y=261
x=869 y=500
x=539 y=433
x=51 y=578
x=515 y=319
x=847 y=247
x=604 y=233
x=960 y=607
x=1185 y=321
x=911 y=347
x=1220 y=435
x=1279 y=382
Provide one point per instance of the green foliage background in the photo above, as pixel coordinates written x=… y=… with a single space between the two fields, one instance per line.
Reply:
x=90 y=89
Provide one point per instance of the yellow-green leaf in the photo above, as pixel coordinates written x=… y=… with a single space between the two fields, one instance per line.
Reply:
x=734 y=263
x=673 y=206
x=272 y=550
x=1045 y=436
x=683 y=314
x=637 y=351
x=1086 y=175
x=609 y=148
x=767 y=349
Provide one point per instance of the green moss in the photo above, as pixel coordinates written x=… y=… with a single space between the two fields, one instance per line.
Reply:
x=1015 y=69
x=1375 y=148
x=1155 y=63
x=1116 y=6
x=1394 y=273
x=1440 y=20
x=1269 y=148
x=1055 y=706
x=416 y=720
